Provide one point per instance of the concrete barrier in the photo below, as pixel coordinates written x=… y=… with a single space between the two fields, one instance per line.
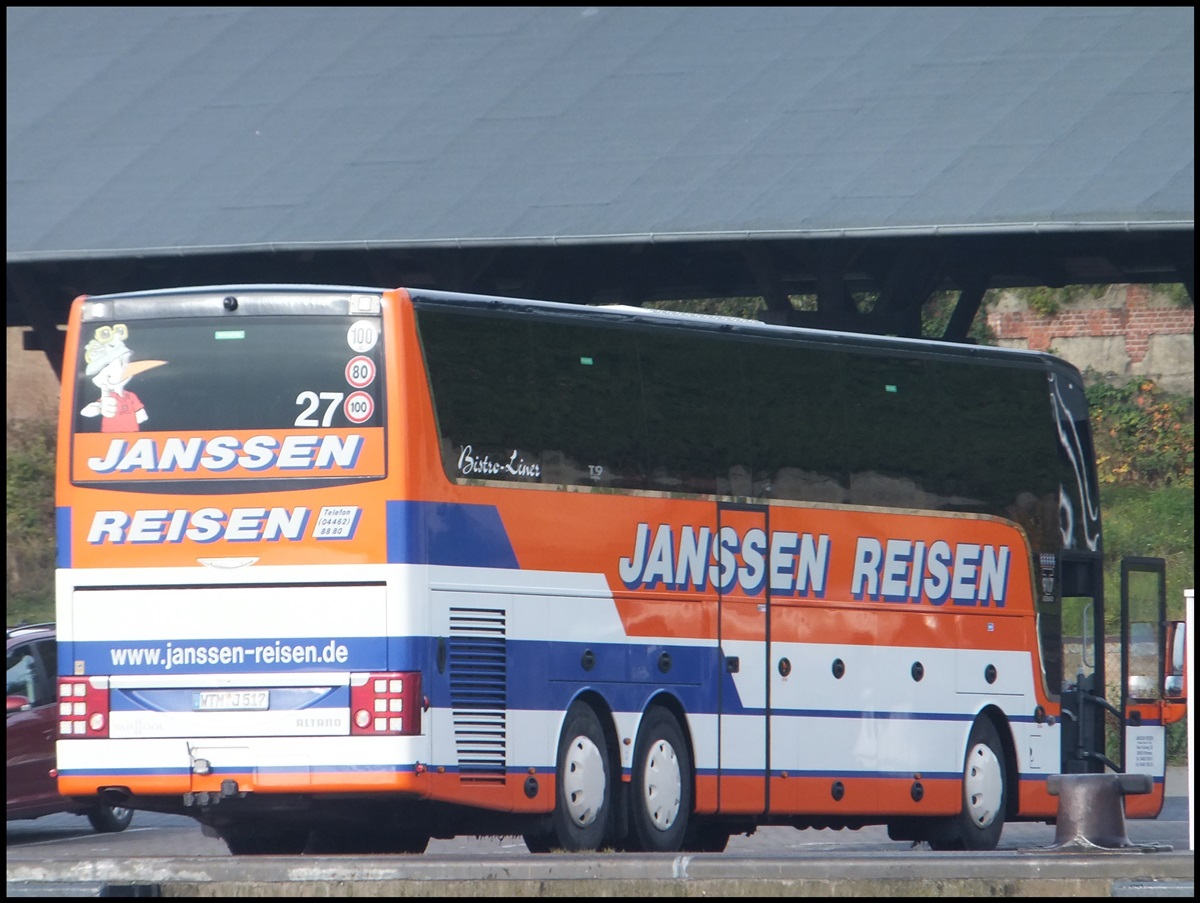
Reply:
x=1006 y=874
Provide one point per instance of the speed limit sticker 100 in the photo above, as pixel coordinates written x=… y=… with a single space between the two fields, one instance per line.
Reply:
x=359 y=407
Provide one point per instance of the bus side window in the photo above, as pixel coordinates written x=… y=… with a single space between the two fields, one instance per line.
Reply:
x=681 y=401
x=795 y=417
x=588 y=422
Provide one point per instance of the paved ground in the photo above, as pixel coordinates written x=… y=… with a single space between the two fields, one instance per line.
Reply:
x=834 y=871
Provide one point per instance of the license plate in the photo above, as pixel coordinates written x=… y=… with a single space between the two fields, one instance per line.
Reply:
x=231 y=700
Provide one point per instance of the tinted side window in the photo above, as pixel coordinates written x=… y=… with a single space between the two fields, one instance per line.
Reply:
x=484 y=396
x=527 y=400
x=694 y=393
x=562 y=401
x=1004 y=446
x=796 y=422
x=896 y=433
x=589 y=421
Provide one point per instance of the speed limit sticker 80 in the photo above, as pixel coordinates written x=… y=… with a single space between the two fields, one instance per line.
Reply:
x=359 y=407
x=360 y=371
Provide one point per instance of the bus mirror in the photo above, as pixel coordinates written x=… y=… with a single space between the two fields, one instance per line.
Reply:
x=1175 y=679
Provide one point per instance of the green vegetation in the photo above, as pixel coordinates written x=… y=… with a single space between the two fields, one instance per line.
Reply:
x=29 y=485
x=936 y=313
x=1145 y=445
x=1143 y=435
x=1175 y=292
x=747 y=308
x=1145 y=442
x=1048 y=301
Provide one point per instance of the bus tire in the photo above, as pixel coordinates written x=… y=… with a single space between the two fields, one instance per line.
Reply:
x=584 y=791
x=984 y=794
x=110 y=819
x=660 y=796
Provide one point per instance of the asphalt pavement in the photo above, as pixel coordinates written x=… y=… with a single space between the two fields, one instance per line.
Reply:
x=1142 y=869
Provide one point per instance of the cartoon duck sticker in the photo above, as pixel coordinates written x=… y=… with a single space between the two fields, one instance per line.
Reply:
x=110 y=366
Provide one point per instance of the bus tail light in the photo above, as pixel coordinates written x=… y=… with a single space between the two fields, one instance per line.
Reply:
x=83 y=707
x=385 y=703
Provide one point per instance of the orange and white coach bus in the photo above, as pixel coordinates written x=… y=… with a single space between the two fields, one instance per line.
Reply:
x=344 y=569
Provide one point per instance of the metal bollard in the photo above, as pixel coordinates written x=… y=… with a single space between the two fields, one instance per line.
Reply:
x=1091 y=811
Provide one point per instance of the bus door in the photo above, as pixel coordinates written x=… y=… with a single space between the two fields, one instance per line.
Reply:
x=1084 y=703
x=1144 y=670
x=744 y=634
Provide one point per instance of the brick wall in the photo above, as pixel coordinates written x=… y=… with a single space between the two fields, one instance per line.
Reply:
x=1129 y=331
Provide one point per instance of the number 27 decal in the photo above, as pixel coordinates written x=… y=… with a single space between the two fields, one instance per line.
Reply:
x=312 y=401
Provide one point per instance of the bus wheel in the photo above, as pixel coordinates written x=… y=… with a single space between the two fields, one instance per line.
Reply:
x=984 y=794
x=660 y=797
x=109 y=819
x=583 y=806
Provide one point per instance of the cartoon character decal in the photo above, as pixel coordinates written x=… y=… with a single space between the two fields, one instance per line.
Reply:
x=110 y=367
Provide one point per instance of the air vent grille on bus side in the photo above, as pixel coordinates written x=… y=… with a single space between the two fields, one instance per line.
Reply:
x=478 y=680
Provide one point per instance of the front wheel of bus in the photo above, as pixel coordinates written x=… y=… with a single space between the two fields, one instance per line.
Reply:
x=984 y=794
x=584 y=793
x=660 y=797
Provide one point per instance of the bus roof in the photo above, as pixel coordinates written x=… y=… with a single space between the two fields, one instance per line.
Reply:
x=644 y=318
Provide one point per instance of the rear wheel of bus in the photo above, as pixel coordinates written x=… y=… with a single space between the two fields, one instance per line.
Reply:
x=584 y=787
x=109 y=819
x=660 y=797
x=984 y=794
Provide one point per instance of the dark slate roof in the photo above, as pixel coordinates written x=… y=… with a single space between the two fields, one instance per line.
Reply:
x=159 y=134
x=148 y=130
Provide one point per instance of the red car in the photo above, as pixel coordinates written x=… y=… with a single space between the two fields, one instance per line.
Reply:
x=32 y=726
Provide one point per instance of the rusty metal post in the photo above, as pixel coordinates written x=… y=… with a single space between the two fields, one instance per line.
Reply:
x=1091 y=811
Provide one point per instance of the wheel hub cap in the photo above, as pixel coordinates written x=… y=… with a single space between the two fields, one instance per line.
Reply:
x=583 y=781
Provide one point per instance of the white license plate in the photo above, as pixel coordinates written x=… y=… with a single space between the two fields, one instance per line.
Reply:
x=231 y=700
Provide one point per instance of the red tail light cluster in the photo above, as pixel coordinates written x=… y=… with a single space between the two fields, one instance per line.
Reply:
x=385 y=703
x=82 y=707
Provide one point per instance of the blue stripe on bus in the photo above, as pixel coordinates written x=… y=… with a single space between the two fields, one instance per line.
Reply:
x=62 y=530
x=449 y=534
x=518 y=675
